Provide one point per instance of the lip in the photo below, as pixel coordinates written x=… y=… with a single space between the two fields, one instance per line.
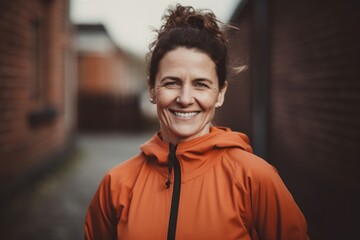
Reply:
x=185 y=114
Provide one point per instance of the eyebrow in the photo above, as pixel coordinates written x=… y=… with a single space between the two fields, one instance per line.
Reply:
x=170 y=77
x=179 y=79
x=203 y=80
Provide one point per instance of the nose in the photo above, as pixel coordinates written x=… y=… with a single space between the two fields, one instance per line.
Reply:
x=185 y=97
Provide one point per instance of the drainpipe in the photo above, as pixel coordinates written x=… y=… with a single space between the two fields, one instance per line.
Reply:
x=260 y=77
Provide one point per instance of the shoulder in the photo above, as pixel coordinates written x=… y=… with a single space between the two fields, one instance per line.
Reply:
x=125 y=171
x=251 y=169
x=247 y=161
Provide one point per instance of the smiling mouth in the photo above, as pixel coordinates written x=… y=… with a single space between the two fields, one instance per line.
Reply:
x=185 y=114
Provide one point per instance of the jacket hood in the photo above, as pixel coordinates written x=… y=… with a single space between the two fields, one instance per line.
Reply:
x=196 y=153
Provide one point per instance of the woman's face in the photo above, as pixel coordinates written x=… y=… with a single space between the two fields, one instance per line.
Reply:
x=186 y=93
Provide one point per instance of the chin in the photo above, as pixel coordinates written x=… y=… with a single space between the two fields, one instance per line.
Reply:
x=187 y=133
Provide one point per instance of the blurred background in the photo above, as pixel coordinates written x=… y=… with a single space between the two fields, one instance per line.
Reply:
x=74 y=103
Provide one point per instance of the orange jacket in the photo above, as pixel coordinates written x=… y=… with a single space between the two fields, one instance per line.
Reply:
x=226 y=193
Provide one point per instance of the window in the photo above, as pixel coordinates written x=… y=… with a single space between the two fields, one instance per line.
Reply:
x=37 y=61
x=43 y=114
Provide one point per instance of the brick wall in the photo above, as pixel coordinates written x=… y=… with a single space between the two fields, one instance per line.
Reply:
x=313 y=127
x=35 y=55
x=315 y=107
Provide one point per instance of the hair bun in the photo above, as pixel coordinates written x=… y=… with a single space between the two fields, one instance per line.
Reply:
x=183 y=16
x=195 y=22
x=187 y=16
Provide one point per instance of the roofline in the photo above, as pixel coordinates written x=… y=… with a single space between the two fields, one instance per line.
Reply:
x=240 y=7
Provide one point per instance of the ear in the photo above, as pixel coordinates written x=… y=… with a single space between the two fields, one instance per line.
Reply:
x=152 y=95
x=221 y=96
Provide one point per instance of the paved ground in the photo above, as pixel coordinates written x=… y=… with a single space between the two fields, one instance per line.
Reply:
x=54 y=207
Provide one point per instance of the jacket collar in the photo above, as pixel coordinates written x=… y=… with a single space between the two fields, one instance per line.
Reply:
x=197 y=155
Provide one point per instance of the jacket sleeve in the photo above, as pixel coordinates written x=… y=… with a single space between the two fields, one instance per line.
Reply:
x=274 y=211
x=101 y=220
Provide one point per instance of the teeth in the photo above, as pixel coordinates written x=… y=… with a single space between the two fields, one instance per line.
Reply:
x=185 y=115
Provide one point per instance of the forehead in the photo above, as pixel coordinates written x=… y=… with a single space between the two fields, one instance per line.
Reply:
x=183 y=60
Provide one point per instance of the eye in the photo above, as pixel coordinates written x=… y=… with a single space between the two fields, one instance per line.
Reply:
x=201 y=84
x=171 y=84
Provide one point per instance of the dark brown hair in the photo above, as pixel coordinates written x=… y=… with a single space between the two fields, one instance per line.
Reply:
x=186 y=27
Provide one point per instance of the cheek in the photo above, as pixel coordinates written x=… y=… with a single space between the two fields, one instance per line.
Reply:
x=208 y=100
x=163 y=97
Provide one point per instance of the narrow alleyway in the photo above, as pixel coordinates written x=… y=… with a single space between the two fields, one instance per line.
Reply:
x=54 y=207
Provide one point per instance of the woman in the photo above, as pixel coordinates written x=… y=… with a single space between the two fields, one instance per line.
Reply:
x=192 y=180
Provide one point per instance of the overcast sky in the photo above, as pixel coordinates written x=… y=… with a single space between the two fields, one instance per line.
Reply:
x=129 y=22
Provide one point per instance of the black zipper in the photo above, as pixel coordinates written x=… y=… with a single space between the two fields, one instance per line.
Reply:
x=176 y=193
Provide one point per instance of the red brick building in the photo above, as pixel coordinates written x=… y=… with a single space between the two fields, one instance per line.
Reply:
x=37 y=87
x=110 y=82
x=299 y=101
